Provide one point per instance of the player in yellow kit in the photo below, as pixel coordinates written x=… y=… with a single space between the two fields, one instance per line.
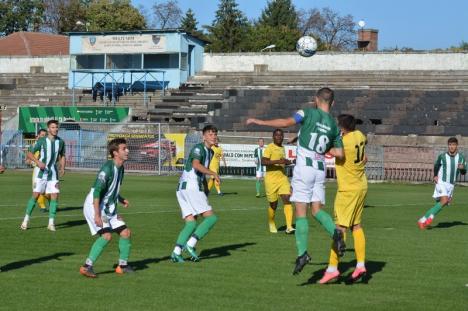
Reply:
x=43 y=198
x=276 y=181
x=349 y=201
x=214 y=166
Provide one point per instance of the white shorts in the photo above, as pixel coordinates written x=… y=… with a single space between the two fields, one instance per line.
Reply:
x=260 y=174
x=308 y=185
x=192 y=202
x=44 y=186
x=111 y=222
x=443 y=189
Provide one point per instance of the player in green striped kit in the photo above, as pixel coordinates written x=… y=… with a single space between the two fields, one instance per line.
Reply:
x=446 y=169
x=100 y=210
x=260 y=169
x=46 y=174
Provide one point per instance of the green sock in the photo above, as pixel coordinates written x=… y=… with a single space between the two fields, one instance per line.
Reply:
x=186 y=232
x=124 y=247
x=30 y=206
x=97 y=248
x=205 y=226
x=434 y=210
x=257 y=186
x=326 y=221
x=302 y=235
x=53 y=208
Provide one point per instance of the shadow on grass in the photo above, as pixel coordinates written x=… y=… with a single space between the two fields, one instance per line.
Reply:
x=445 y=225
x=24 y=263
x=138 y=265
x=371 y=266
x=71 y=223
x=222 y=251
x=70 y=208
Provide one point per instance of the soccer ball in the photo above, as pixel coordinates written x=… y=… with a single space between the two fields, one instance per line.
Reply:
x=306 y=46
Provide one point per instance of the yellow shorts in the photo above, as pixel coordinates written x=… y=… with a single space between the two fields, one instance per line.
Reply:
x=276 y=187
x=349 y=206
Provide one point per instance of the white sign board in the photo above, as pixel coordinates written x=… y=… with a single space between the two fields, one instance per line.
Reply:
x=240 y=155
x=123 y=44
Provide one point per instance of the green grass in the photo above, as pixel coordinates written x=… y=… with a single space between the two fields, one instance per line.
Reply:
x=243 y=266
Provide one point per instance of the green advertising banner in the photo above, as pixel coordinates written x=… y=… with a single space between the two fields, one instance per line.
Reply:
x=29 y=116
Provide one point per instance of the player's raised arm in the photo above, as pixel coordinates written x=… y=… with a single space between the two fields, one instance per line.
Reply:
x=281 y=123
x=202 y=169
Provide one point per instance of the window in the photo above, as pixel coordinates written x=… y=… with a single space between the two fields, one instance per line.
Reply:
x=161 y=61
x=183 y=61
x=89 y=61
x=123 y=61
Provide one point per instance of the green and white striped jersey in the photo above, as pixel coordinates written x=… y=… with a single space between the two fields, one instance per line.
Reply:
x=49 y=152
x=191 y=178
x=107 y=186
x=446 y=167
x=258 y=154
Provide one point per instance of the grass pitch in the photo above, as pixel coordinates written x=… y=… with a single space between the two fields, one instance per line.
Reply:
x=243 y=266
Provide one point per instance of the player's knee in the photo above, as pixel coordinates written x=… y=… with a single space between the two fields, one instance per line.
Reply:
x=125 y=233
x=107 y=236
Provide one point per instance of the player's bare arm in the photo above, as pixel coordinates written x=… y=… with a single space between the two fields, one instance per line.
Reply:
x=267 y=161
x=30 y=156
x=281 y=123
x=337 y=153
x=62 y=166
x=123 y=201
x=97 y=213
x=202 y=169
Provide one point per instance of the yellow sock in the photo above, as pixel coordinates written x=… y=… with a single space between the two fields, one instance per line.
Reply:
x=359 y=245
x=334 y=259
x=271 y=219
x=41 y=201
x=210 y=183
x=218 y=188
x=288 y=214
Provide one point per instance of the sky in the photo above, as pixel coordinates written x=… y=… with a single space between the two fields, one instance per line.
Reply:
x=417 y=24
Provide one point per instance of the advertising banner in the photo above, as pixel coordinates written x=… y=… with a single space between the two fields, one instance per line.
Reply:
x=123 y=44
x=29 y=116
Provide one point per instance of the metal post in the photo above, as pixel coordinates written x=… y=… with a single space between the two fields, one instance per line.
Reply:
x=144 y=91
x=73 y=89
x=159 y=147
x=164 y=84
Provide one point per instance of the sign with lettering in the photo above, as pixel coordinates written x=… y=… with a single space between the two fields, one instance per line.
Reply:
x=123 y=44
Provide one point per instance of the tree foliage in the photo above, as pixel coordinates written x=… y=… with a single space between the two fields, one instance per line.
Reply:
x=107 y=15
x=282 y=37
x=229 y=29
x=20 y=15
x=333 y=31
x=189 y=22
x=279 y=13
x=61 y=15
x=167 y=14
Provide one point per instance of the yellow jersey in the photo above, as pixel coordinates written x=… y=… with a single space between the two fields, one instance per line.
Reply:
x=274 y=152
x=350 y=172
x=217 y=155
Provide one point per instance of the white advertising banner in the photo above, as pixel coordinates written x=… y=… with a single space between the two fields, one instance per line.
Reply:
x=242 y=155
x=123 y=44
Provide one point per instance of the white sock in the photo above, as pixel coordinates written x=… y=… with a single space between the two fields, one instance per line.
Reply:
x=51 y=221
x=431 y=216
x=26 y=218
x=192 y=242
x=331 y=269
x=89 y=262
x=122 y=262
x=360 y=265
x=422 y=219
x=177 y=250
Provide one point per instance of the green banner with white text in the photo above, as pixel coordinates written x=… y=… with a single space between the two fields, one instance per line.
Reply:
x=29 y=116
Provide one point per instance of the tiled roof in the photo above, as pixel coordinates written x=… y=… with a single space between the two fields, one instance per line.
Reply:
x=34 y=44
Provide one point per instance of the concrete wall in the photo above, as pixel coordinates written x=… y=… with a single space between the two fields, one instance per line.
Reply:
x=22 y=64
x=323 y=61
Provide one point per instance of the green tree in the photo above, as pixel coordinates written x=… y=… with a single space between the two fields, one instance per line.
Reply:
x=189 y=22
x=282 y=37
x=462 y=47
x=279 y=13
x=20 y=15
x=229 y=29
x=62 y=15
x=108 y=15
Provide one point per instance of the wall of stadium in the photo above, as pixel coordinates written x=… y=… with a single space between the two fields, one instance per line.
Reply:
x=336 y=61
x=23 y=64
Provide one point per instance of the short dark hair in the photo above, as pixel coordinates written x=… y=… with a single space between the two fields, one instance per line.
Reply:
x=113 y=145
x=211 y=128
x=52 y=122
x=278 y=130
x=40 y=131
x=452 y=140
x=347 y=121
x=326 y=94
